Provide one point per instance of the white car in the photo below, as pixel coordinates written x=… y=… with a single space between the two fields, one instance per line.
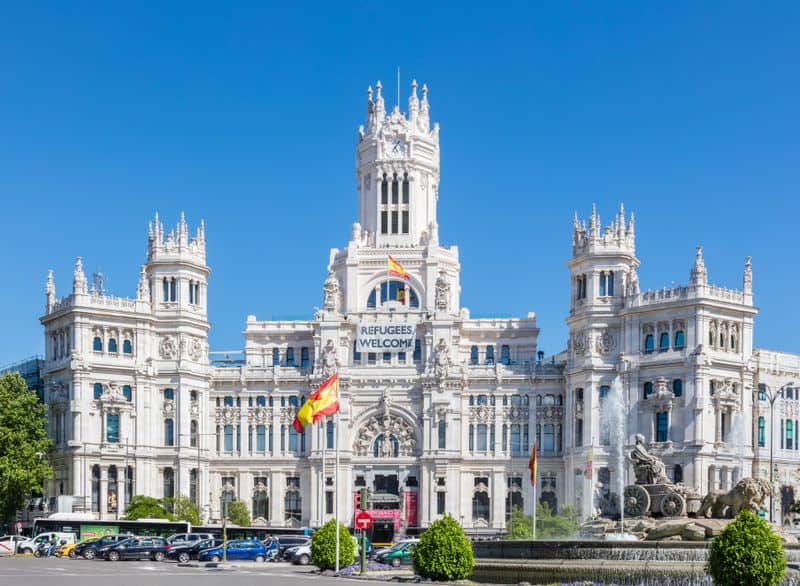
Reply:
x=299 y=554
x=8 y=543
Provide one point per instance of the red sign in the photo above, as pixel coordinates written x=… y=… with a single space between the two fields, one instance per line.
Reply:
x=411 y=509
x=363 y=520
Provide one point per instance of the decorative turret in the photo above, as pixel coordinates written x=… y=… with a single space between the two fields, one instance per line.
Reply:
x=398 y=171
x=177 y=243
x=699 y=274
x=50 y=291
x=616 y=237
x=79 y=285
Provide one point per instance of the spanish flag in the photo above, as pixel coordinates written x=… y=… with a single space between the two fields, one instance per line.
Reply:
x=533 y=464
x=396 y=269
x=322 y=402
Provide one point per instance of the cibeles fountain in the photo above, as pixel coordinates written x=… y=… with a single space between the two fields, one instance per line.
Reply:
x=658 y=532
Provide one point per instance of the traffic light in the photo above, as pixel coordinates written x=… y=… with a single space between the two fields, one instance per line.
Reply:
x=363 y=497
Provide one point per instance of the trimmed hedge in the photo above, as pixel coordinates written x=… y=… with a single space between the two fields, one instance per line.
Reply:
x=747 y=552
x=323 y=547
x=444 y=552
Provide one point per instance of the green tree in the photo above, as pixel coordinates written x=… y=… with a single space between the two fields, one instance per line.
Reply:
x=181 y=508
x=145 y=507
x=550 y=526
x=323 y=547
x=444 y=552
x=748 y=553
x=238 y=513
x=23 y=444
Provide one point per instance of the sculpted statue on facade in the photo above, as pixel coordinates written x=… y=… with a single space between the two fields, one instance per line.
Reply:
x=331 y=292
x=442 y=292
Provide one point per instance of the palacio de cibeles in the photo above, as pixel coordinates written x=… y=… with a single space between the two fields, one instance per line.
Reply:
x=658 y=395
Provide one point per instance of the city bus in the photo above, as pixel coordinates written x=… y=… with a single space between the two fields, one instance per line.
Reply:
x=85 y=527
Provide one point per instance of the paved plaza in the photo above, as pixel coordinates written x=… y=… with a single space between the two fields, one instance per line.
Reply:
x=65 y=572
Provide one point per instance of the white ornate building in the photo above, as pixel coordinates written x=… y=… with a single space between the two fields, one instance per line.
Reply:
x=138 y=405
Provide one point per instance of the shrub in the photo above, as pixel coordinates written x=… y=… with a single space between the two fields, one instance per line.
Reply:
x=238 y=514
x=444 y=552
x=323 y=547
x=747 y=552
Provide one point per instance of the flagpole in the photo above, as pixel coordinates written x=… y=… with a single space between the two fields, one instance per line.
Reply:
x=336 y=490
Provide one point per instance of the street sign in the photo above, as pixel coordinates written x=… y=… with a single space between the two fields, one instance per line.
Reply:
x=363 y=520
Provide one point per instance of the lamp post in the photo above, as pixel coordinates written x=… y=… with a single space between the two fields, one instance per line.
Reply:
x=771 y=395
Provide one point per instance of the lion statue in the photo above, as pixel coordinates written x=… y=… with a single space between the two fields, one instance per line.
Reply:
x=748 y=493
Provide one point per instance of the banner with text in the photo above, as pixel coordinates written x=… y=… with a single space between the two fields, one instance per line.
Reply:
x=385 y=337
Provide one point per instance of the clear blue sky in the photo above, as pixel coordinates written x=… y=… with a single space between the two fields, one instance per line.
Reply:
x=246 y=115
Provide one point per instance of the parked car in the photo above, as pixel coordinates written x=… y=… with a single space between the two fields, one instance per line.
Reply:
x=31 y=545
x=238 y=549
x=187 y=538
x=287 y=541
x=400 y=553
x=88 y=549
x=137 y=548
x=189 y=551
x=298 y=554
x=376 y=552
x=8 y=543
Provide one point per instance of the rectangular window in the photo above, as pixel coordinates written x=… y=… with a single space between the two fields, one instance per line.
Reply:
x=405 y=222
x=662 y=426
x=261 y=438
x=384 y=222
x=394 y=222
x=112 y=428
x=440 y=496
x=482 y=440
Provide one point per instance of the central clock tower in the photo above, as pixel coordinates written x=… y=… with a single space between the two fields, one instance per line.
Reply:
x=397 y=170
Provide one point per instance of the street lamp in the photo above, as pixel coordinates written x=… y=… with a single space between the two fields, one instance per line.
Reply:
x=771 y=395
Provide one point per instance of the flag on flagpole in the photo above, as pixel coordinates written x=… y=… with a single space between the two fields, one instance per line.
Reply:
x=533 y=464
x=587 y=470
x=396 y=269
x=324 y=401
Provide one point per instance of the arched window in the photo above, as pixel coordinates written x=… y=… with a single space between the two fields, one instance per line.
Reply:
x=127 y=392
x=97 y=344
x=473 y=355
x=169 y=432
x=228 y=431
x=649 y=343
x=304 y=356
x=290 y=357
x=505 y=354
x=169 y=483
x=127 y=347
x=489 y=354
x=169 y=394
x=276 y=357
x=677 y=387
x=193 y=433
x=442 y=434
x=680 y=340
x=399 y=291
x=98 y=390
x=112 y=428
x=663 y=342
x=677 y=474
x=648 y=389
x=761 y=432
